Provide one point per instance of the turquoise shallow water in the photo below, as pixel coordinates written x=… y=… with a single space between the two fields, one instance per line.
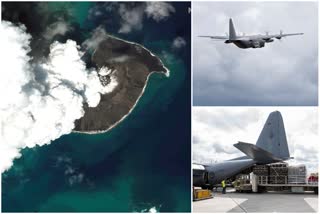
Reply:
x=142 y=163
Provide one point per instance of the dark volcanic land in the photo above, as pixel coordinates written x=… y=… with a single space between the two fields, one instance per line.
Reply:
x=131 y=65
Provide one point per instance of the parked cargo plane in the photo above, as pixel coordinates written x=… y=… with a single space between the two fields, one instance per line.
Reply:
x=271 y=147
x=253 y=41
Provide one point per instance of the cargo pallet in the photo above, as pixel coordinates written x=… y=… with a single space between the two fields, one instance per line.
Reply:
x=201 y=194
x=279 y=177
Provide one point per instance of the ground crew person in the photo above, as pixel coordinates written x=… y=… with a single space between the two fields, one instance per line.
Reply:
x=223 y=184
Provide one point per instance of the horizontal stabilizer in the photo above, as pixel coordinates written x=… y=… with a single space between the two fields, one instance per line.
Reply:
x=257 y=154
x=240 y=158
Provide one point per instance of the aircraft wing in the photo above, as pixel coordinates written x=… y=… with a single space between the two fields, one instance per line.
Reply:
x=286 y=34
x=216 y=37
x=278 y=36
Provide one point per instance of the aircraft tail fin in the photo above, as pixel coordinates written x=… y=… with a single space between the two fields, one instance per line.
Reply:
x=273 y=136
x=232 y=31
x=272 y=143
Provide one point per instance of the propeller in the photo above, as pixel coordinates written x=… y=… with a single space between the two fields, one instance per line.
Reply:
x=280 y=35
x=267 y=33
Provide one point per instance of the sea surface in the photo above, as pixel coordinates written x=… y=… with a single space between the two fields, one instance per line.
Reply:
x=142 y=164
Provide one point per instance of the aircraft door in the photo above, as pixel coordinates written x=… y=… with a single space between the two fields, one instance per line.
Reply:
x=206 y=177
x=211 y=177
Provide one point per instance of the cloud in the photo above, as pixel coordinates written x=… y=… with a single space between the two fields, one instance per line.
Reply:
x=216 y=129
x=98 y=35
x=121 y=59
x=76 y=179
x=98 y=10
x=179 y=42
x=282 y=73
x=72 y=174
x=132 y=16
x=56 y=28
x=159 y=11
x=108 y=79
x=40 y=102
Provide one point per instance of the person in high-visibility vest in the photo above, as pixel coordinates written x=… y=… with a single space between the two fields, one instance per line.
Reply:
x=223 y=184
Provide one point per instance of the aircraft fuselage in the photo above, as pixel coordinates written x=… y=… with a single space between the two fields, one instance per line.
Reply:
x=248 y=42
x=215 y=173
x=271 y=147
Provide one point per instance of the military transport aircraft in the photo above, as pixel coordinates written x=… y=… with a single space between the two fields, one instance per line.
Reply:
x=271 y=147
x=253 y=41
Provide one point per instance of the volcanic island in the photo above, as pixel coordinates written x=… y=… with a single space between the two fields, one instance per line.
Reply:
x=130 y=64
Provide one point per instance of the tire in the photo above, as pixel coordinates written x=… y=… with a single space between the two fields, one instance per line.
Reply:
x=261 y=189
x=316 y=190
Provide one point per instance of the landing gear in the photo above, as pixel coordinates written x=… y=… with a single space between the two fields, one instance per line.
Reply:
x=316 y=190
x=262 y=189
x=210 y=187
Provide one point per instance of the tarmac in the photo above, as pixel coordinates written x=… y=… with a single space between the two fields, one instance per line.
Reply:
x=258 y=202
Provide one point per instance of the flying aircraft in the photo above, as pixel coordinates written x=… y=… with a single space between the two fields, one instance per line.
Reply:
x=252 y=41
x=271 y=147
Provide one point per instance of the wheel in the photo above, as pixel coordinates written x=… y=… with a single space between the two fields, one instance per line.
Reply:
x=207 y=187
x=261 y=189
x=315 y=190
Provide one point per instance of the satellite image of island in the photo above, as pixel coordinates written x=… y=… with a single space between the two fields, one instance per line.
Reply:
x=95 y=111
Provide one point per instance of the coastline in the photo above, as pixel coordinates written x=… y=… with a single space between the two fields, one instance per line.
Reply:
x=167 y=74
x=114 y=125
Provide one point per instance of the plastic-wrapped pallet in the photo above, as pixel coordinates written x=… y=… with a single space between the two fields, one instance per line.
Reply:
x=262 y=173
x=278 y=173
x=297 y=174
x=261 y=170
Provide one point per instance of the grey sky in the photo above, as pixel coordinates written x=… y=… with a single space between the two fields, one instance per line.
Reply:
x=282 y=73
x=216 y=129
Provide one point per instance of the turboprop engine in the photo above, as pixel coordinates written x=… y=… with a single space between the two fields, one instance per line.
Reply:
x=269 y=40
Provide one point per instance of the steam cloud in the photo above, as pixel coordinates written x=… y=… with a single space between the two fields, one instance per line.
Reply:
x=40 y=101
x=159 y=10
x=57 y=28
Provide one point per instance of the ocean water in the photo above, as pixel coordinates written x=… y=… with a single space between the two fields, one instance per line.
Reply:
x=143 y=163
